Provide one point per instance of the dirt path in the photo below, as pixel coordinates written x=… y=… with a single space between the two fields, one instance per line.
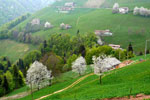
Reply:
x=70 y=86
x=17 y=96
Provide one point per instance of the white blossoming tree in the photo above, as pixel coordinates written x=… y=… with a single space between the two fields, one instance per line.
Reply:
x=79 y=66
x=100 y=64
x=141 y=11
x=115 y=8
x=38 y=76
x=136 y=11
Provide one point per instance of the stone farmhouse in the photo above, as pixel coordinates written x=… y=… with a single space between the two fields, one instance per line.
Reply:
x=65 y=26
x=35 y=21
x=67 y=8
x=112 y=63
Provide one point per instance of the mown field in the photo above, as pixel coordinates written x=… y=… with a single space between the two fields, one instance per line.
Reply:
x=118 y=83
x=14 y=50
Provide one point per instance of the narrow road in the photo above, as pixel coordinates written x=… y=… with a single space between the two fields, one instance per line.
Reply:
x=70 y=86
x=17 y=96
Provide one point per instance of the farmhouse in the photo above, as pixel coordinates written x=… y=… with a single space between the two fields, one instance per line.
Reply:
x=64 y=9
x=70 y=4
x=103 y=33
x=48 y=25
x=112 y=63
x=35 y=21
x=123 y=10
x=65 y=26
x=115 y=46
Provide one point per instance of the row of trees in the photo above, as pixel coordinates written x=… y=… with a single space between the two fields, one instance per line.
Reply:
x=25 y=37
x=141 y=11
x=4 y=31
x=17 y=21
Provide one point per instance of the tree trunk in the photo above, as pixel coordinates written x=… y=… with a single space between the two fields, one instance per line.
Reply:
x=100 y=79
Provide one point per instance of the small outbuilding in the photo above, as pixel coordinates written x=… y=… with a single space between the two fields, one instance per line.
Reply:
x=103 y=33
x=115 y=46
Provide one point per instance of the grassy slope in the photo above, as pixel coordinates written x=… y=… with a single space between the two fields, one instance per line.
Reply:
x=126 y=28
x=91 y=19
x=141 y=57
x=117 y=84
x=127 y=3
x=14 y=50
x=60 y=82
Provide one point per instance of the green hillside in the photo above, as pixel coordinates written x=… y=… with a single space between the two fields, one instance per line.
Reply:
x=14 y=50
x=126 y=28
x=117 y=83
x=127 y=3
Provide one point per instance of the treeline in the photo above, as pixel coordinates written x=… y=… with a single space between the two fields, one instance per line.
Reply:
x=25 y=37
x=10 y=76
x=17 y=21
x=4 y=32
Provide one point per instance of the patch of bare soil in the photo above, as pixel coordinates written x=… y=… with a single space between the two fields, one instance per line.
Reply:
x=137 y=97
x=94 y=3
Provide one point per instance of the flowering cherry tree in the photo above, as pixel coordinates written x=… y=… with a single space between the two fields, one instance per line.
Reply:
x=141 y=11
x=100 y=64
x=115 y=8
x=38 y=76
x=79 y=66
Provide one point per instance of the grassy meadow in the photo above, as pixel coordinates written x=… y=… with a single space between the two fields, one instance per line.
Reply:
x=14 y=50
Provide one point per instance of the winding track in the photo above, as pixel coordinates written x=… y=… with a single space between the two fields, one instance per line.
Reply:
x=70 y=86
